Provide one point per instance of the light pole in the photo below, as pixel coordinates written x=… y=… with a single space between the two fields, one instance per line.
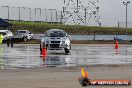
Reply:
x=19 y=14
x=40 y=13
x=126 y=4
x=30 y=12
x=35 y=15
x=19 y=9
x=51 y=14
x=45 y=15
x=8 y=11
x=56 y=16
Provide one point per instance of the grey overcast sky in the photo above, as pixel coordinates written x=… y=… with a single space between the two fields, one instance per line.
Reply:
x=111 y=11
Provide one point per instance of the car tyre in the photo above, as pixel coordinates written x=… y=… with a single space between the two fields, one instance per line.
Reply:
x=70 y=47
x=66 y=51
x=24 y=39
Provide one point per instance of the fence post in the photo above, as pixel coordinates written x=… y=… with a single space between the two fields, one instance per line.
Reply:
x=94 y=36
x=61 y=17
x=118 y=24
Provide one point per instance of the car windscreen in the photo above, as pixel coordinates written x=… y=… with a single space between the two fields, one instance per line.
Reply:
x=3 y=33
x=55 y=34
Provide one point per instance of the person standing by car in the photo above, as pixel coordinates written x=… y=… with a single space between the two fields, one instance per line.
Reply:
x=1 y=38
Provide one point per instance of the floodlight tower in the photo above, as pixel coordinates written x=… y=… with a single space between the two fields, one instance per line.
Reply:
x=126 y=4
x=8 y=7
x=81 y=12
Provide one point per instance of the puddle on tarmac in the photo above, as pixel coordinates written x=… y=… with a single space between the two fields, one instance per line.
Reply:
x=28 y=56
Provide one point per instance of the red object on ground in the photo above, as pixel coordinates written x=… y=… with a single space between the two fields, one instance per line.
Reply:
x=116 y=45
x=44 y=52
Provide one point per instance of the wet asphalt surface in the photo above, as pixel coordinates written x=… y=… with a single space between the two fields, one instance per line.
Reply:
x=28 y=56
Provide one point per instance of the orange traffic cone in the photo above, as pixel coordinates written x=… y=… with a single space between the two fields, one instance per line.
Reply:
x=116 y=45
x=44 y=52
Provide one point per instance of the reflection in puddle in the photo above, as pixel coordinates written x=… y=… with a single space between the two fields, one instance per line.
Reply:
x=22 y=62
x=54 y=61
x=29 y=57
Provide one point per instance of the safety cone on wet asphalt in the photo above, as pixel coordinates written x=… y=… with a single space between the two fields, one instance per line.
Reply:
x=44 y=54
x=44 y=51
x=116 y=45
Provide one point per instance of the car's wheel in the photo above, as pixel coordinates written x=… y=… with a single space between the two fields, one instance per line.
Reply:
x=67 y=51
x=70 y=47
x=24 y=39
x=31 y=37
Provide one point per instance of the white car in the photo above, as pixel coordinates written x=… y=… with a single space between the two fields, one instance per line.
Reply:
x=6 y=34
x=56 y=39
x=22 y=35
